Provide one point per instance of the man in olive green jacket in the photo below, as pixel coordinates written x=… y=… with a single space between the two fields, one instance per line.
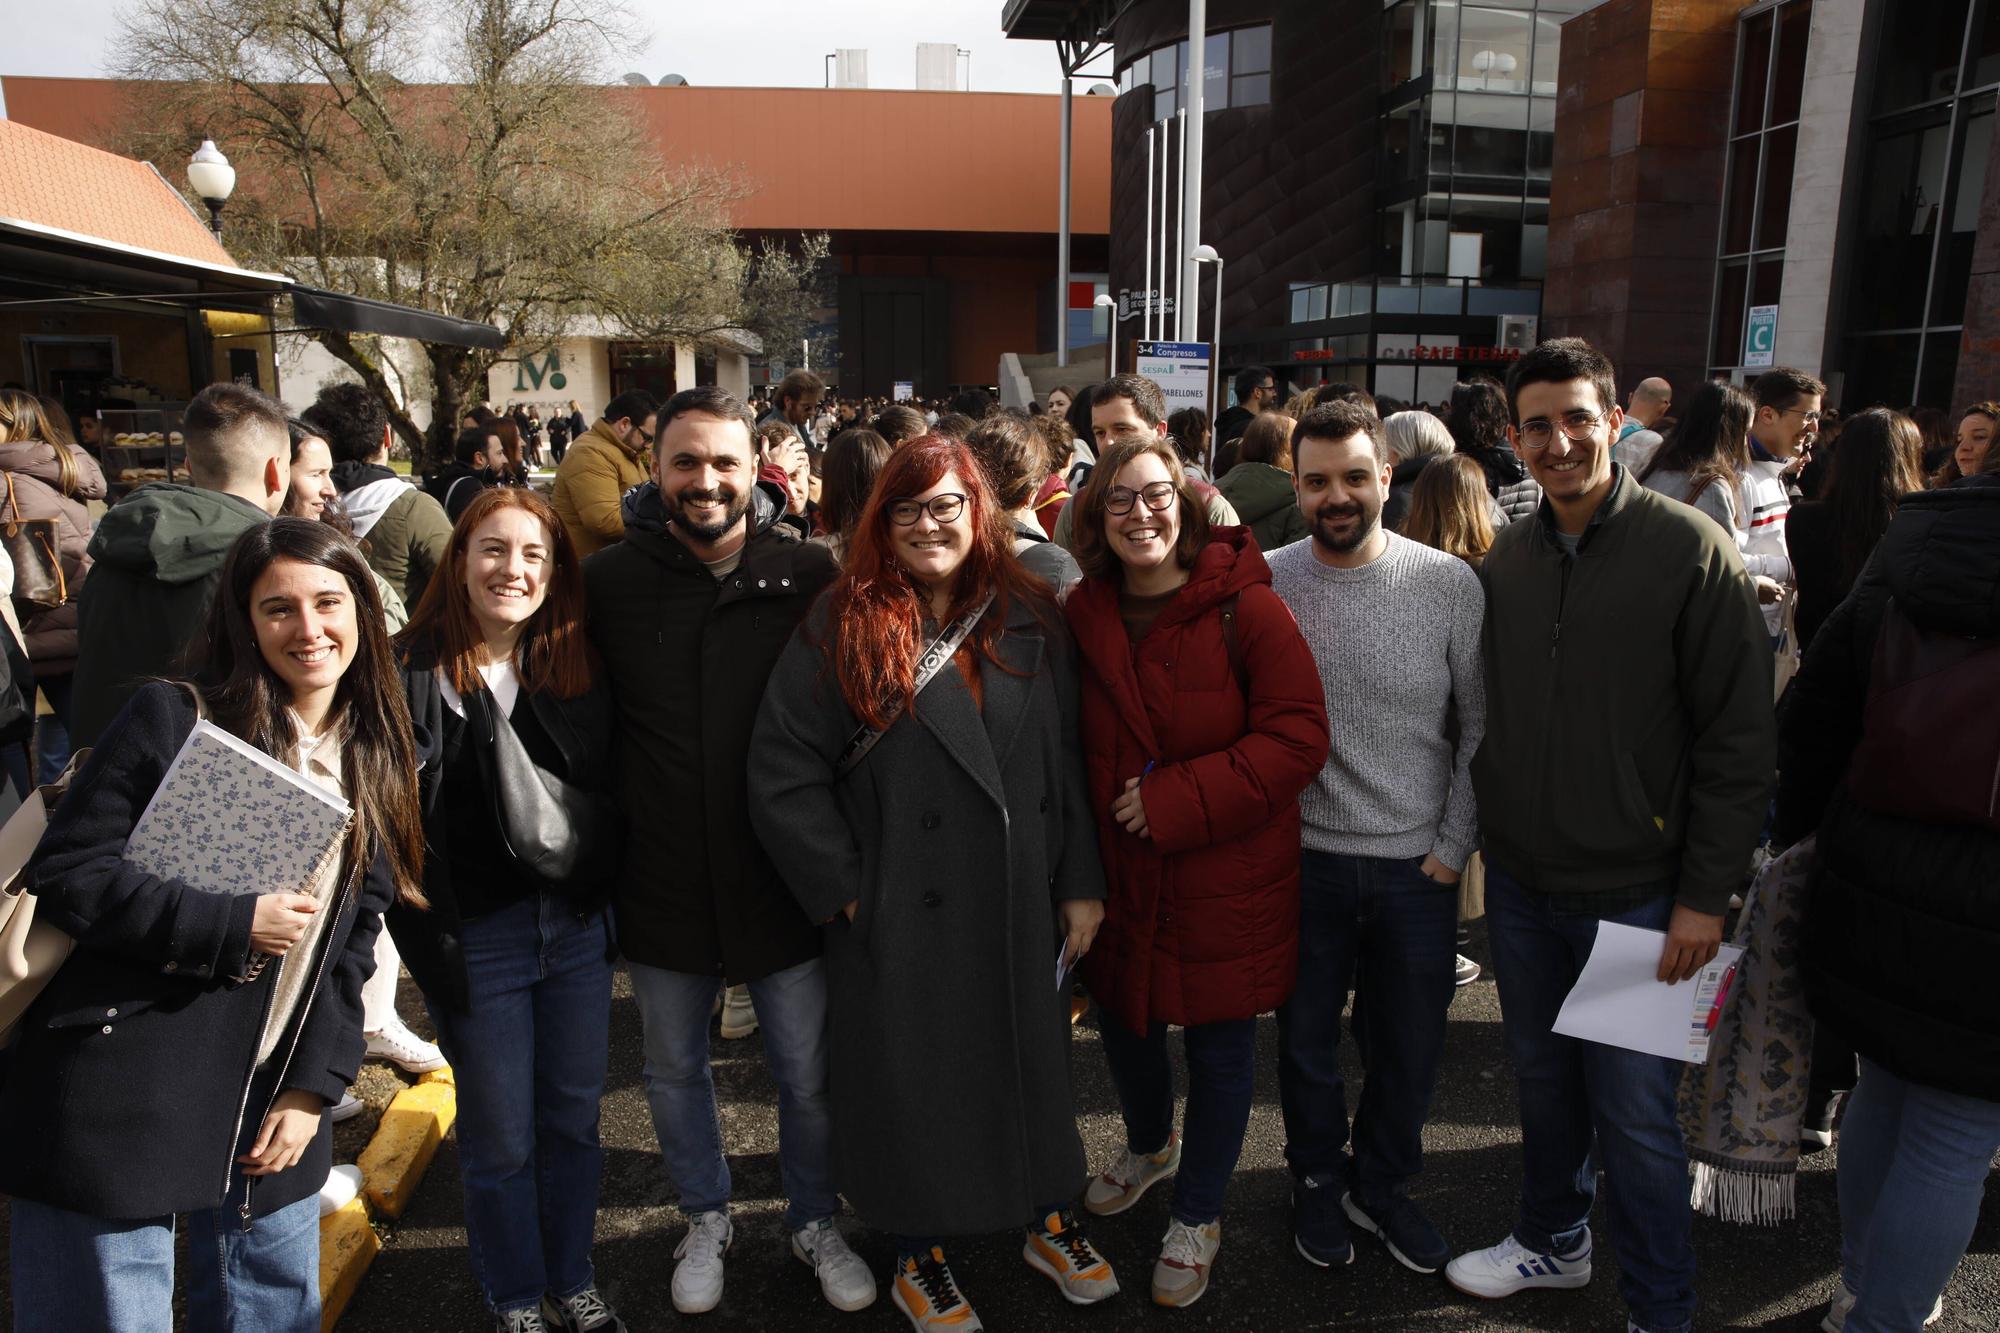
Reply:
x=1623 y=779
x=600 y=466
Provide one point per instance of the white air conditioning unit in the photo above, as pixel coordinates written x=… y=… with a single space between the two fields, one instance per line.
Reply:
x=850 y=67
x=1519 y=332
x=937 y=67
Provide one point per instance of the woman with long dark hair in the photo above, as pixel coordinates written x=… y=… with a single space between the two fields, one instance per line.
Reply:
x=1450 y=510
x=1203 y=718
x=161 y=1074
x=1704 y=460
x=917 y=776
x=1879 y=461
x=515 y=960
x=846 y=477
x=1478 y=420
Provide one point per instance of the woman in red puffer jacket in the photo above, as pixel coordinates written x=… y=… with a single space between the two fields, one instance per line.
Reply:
x=1203 y=719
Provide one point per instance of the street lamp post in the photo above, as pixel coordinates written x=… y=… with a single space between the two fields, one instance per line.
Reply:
x=212 y=179
x=1109 y=302
x=1207 y=254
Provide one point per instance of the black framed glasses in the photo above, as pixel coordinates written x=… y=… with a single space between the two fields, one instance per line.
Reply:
x=1158 y=495
x=944 y=508
x=1578 y=426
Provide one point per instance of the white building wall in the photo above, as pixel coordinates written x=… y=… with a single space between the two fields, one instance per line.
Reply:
x=1826 y=115
x=582 y=365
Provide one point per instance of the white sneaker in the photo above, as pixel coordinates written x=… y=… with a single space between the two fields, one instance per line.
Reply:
x=346 y=1108
x=1180 y=1275
x=698 y=1275
x=1511 y=1266
x=343 y=1184
x=1465 y=971
x=843 y=1278
x=398 y=1045
x=1113 y=1191
x=1843 y=1305
x=739 y=1016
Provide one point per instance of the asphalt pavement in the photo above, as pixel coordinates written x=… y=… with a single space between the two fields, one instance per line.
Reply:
x=1752 y=1278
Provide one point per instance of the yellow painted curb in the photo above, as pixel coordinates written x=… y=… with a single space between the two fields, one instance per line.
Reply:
x=411 y=1129
x=347 y=1245
x=443 y=1075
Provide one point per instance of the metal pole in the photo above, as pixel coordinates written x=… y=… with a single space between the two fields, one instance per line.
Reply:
x=1215 y=369
x=1191 y=147
x=1160 y=329
x=1146 y=320
x=1062 y=225
x=1184 y=277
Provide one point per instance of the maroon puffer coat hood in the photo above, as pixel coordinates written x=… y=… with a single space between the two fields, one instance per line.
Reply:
x=1202 y=921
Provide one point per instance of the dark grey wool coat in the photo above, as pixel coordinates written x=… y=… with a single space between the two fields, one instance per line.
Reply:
x=958 y=834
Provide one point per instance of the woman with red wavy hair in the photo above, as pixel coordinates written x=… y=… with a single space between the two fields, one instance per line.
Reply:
x=916 y=776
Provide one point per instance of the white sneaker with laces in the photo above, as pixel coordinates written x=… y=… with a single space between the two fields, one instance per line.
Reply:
x=698 y=1276
x=843 y=1278
x=739 y=1015
x=1465 y=971
x=1843 y=1305
x=342 y=1187
x=400 y=1046
x=585 y=1312
x=1180 y=1275
x=1511 y=1266
x=346 y=1108
x=1115 y=1190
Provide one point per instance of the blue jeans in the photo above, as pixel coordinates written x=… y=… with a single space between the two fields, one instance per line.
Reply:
x=116 y=1275
x=1913 y=1164
x=529 y=1059
x=1583 y=1102
x=1379 y=928
x=674 y=1011
x=1221 y=1060
x=52 y=747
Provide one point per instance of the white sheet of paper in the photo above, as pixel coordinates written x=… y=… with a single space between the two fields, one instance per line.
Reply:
x=1619 y=1000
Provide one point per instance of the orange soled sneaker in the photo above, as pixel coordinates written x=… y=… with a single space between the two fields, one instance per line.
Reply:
x=1059 y=1251
x=928 y=1295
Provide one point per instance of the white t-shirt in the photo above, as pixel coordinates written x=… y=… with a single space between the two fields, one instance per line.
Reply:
x=502 y=682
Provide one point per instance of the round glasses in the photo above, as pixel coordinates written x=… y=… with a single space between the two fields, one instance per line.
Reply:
x=943 y=508
x=1578 y=426
x=1157 y=494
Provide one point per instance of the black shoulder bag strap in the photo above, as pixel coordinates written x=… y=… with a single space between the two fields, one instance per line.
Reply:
x=941 y=650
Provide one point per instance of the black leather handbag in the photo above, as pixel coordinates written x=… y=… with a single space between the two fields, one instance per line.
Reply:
x=562 y=833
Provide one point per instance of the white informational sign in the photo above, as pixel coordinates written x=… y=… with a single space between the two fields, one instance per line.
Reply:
x=1760 y=338
x=905 y=390
x=1181 y=371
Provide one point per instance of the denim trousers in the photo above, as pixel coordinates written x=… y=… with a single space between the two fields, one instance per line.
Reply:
x=1379 y=928
x=52 y=747
x=529 y=1058
x=1585 y=1104
x=1913 y=1164
x=1221 y=1060
x=674 y=1010
x=115 y=1275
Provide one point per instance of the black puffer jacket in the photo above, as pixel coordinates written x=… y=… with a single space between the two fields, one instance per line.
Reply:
x=687 y=656
x=1903 y=919
x=1507 y=481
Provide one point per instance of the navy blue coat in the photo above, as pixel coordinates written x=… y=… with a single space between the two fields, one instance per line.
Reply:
x=132 y=1088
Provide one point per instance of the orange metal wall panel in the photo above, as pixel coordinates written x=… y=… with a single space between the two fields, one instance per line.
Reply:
x=811 y=159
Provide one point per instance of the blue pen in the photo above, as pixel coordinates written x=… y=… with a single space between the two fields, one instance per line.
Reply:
x=1150 y=764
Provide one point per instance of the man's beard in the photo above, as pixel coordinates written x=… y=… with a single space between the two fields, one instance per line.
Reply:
x=1322 y=527
x=735 y=505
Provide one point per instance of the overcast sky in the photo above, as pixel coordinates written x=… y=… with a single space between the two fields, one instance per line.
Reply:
x=771 y=43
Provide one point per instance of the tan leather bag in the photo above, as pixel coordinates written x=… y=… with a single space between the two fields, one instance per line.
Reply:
x=34 y=545
x=30 y=950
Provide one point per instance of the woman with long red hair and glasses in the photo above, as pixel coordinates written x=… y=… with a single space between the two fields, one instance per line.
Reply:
x=917 y=777
x=514 y=954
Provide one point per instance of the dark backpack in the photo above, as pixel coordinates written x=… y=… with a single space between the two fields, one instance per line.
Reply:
x=1930 y=735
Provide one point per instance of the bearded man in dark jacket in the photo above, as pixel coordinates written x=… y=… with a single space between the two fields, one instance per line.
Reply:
x=689 y=613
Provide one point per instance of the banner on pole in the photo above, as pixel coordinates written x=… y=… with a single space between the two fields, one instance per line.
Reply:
x=1181 y=371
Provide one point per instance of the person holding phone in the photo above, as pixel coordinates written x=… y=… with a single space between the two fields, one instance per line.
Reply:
x=161 y=1075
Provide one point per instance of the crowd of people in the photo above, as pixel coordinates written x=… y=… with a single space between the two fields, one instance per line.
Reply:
x=861 y=711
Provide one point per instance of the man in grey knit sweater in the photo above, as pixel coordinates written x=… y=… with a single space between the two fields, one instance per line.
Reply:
x=1395 y=628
